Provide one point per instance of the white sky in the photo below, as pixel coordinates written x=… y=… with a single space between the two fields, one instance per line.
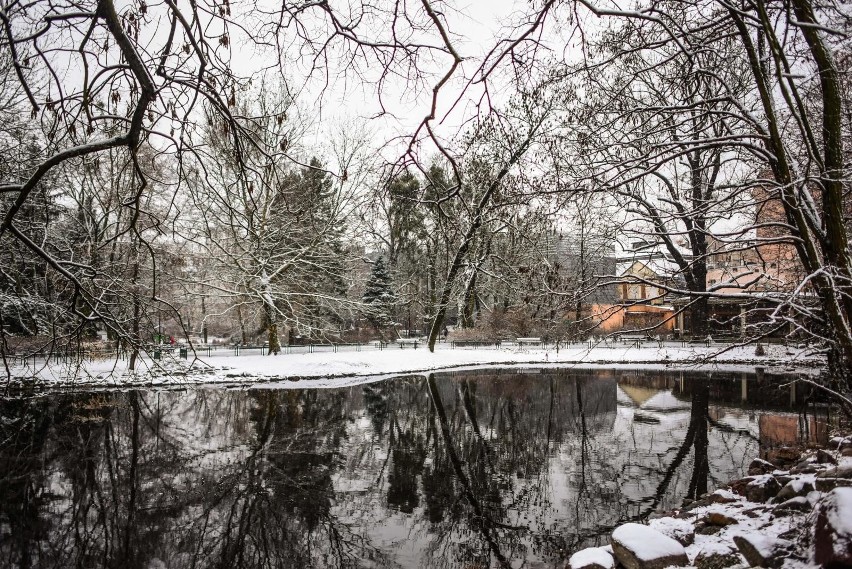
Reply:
x=475 y=25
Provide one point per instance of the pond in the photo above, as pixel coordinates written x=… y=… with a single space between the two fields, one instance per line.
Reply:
x=486 y=468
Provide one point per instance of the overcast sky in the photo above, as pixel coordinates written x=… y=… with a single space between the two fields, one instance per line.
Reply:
x=476 y=25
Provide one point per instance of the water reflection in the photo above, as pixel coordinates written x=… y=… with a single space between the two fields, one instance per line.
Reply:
x=476 y=469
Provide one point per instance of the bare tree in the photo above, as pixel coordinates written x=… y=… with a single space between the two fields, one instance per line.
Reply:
x=144 y=74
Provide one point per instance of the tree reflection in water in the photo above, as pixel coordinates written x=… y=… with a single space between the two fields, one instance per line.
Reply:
x=472 y=469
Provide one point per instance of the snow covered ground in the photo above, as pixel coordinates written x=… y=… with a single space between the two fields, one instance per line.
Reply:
x=796 y=518
x=327 y=369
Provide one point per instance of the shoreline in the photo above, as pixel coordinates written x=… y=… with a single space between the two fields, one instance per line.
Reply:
x=325 y=370
x=793 y=512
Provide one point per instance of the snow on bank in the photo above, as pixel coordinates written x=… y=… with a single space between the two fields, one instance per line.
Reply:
x=763 y=520
x=325 y=369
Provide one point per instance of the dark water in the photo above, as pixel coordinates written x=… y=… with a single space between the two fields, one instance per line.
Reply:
x=476 y=469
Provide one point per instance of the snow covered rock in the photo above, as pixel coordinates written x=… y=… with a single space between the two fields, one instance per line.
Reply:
x=680 y=530
x=722 y=497
x=760 y=466
x=797 y=504
x=840 y=476
x=793 y=488
x=804 y=467
x=641 y=547
x=592 y=558
x=760 y=488
x=833 y=530
x=761 y=550
x=717 y=558
x=825 y=457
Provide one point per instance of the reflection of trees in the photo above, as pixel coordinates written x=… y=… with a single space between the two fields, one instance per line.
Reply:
x=278 y=498
x=137 y=485
x=408 y=455
x=23 y=429
x=375 y=401
x=698 y=418
x=479 y=468
x=485 y=522
x=607 y=505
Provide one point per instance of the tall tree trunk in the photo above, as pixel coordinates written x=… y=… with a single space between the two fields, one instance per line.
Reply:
x=838 y=291
x=817 y=248
x=476 y=223
x=271 y=314
x=699 y=314
x=468 y=311
x=581 y=280
x=134 y=346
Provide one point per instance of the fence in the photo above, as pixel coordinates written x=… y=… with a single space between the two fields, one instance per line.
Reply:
x=69 y=356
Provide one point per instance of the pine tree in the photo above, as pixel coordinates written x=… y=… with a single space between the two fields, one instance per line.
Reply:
x=379 y=296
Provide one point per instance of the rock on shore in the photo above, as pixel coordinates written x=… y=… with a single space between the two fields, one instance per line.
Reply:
x=795 y=512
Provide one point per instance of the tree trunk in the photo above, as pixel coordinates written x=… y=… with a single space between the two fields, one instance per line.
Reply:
x=581 y=281
x=817 y=248
x=274 y=343
x=134 y=346
x=837 y=293
x=468 y=312
x=699 y=312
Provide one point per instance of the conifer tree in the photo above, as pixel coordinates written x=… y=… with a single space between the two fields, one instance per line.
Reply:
x=379 y=296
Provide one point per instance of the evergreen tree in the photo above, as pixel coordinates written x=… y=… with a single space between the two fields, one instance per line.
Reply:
x=379 y=296
x=405 y=217
x=320 y=203
x=308 y=207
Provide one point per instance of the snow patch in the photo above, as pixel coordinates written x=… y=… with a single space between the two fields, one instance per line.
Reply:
x=646 y=543
x=591 y=556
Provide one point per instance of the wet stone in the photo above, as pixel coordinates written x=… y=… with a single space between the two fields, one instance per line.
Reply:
x=829 y=484
x=758 y=488
x=719 y=519
x=804 y=467
x=708 y=530
x=837 y=477
x=783 y=456
x=825 y=457
x=694 y=505
x=783 y=479
x=836 y=472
